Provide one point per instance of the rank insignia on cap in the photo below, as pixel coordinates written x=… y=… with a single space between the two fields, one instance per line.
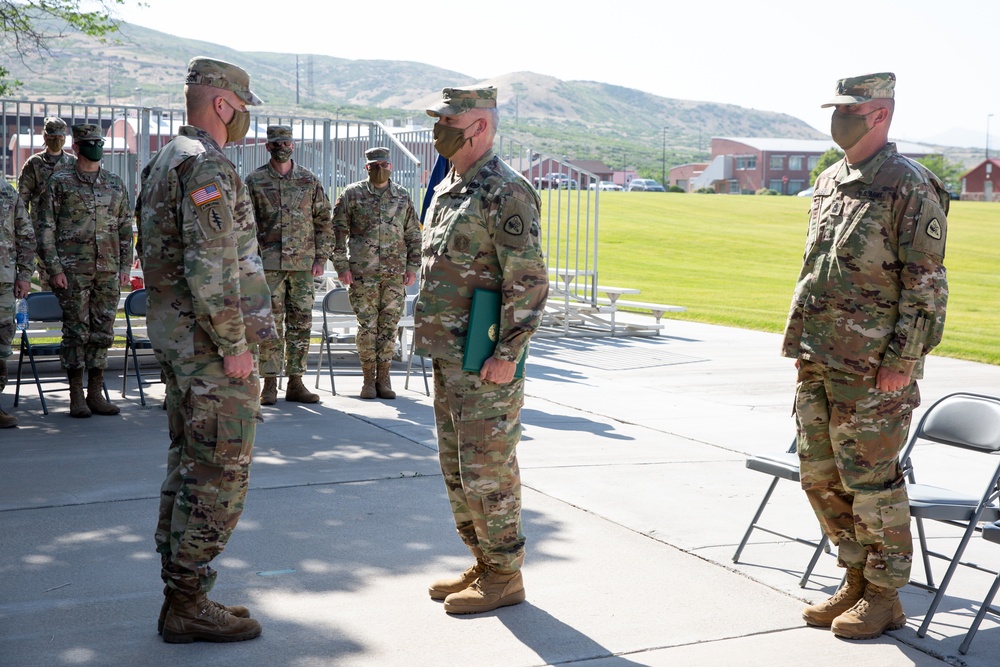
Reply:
x=514 y=225
x=209 y=193
x=934 y=229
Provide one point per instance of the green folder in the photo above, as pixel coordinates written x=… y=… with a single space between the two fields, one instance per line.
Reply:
x=484 y=329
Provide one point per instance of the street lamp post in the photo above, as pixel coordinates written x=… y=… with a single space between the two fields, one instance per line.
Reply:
x=988 y=116
x=138 y=92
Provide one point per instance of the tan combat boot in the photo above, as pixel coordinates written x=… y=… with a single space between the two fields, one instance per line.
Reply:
x=368 y=388
x=296 y=392
x=491 y=590
x=238 y=611
x=383 y=387
x=879 y=610
x=77 y=403
x=7 y=420
x=95 y=394
x=194 y=616
x=442 y=588
x=269 y=394
x=853 y=589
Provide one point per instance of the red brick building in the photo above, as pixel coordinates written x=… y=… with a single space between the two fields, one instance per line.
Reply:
x=982 y=182
x=745 y=165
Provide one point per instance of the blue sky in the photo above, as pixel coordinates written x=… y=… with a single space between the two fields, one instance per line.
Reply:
x=777 y=55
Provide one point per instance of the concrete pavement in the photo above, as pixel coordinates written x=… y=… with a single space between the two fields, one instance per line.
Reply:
x=635 y=495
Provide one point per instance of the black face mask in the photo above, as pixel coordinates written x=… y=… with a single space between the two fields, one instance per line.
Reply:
x=92 y=150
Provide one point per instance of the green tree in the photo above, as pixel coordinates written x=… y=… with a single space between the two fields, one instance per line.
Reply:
x=27 y=27
x=825 y=160
x=949 y=172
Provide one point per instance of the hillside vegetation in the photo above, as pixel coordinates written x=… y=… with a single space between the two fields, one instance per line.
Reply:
x=576 y=119
x=734 y=261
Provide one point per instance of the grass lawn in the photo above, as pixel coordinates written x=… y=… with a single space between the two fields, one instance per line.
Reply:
x=733 y=260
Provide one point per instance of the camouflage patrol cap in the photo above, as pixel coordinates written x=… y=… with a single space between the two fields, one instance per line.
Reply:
x=55 y=127
x=279 y=133
x=864 y=88
x=220 y=74
x=86 y=132
x=377 y=154
x=459 y=100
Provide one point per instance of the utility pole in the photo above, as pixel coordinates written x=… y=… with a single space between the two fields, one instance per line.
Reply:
x=663 y=168
x=296 y=79
x=988 y=116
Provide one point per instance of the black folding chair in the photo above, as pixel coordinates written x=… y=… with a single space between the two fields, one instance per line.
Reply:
x=135 y=307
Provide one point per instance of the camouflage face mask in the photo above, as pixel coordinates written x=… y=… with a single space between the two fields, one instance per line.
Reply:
x=281 y=155
x=848 y=129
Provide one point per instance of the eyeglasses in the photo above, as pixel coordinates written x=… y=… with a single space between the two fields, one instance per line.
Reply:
x=384 y=165
x=91 y=143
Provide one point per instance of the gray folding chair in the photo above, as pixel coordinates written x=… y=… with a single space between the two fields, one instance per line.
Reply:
x=991 y=533
x=783 y=465
x=970 y=422
x=338 y=315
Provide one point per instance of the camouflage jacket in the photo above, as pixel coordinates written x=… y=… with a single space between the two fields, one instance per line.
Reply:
x=206 y=287
x=872 y=292
x=85 y=223
x=293 y=218
x=35 y=175
x=482 y=230
x=17 y=238
x=378 y=233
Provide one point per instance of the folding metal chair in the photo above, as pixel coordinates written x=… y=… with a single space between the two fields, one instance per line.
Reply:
x=337 y=314
x=970 y=422
x=991 y=533
x=43 y=307
x=408 y=323
x=783 y=465
x=135 y=307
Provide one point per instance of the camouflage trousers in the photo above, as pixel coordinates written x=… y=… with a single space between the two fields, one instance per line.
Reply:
x=7 y=329
x=478 y=428
x=378 y=305
x=292 y=298
x=212 y=421
x=89 y=304
x=849 y=438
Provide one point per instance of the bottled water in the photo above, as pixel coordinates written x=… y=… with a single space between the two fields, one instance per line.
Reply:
x=21 y=314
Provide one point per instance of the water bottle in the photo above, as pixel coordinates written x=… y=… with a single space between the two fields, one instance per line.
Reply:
x=21 y=314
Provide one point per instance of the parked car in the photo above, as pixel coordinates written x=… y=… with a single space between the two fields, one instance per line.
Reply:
x=556 y=182
x=808 y=192
x=605 y=185
x=644 y=185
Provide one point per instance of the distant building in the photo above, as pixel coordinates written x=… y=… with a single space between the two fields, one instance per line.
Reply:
x=683 y=175
x=745 y=165
x=980 y=182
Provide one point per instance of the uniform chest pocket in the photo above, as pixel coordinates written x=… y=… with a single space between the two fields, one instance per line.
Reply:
x=103 y=201
x=852 y=219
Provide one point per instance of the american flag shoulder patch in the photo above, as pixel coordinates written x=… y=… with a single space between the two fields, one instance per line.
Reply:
x=208 y=193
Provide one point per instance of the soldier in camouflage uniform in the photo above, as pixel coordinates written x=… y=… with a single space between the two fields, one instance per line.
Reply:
x=295 y=237
x=85 y=244
x=482 y=231
x=208 y=309
x=37 y=171
x=869 y=305
x=377 y=257
x=17 y=259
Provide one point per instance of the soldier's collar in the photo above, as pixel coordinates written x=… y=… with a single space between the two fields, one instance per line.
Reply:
x=462 y=180
x=865 y=172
